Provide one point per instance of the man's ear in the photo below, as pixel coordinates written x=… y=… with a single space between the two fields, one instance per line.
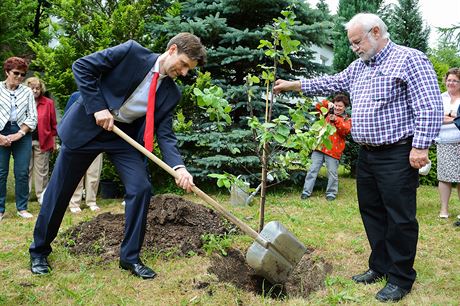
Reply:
x=172 y=49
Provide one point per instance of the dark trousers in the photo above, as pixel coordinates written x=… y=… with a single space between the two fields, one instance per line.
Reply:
x=387 y=189
x=70 y=167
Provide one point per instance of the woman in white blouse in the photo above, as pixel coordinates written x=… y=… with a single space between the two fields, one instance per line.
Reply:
x=448 y=146
x=18 y=117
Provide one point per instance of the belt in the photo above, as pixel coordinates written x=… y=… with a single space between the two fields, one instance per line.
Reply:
x=387 y=146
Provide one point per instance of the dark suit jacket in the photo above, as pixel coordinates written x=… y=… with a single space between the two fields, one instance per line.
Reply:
x=73 y=97
x=105 y=80
x=457 y=120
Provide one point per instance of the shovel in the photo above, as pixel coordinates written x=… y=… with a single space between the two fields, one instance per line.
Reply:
x=275 y=252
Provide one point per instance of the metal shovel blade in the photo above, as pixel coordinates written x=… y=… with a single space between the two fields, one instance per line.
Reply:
x=282 y=255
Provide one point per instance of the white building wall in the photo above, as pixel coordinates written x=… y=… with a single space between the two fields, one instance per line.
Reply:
x=323 y=55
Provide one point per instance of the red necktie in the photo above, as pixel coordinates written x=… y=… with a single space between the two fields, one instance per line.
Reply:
x=150 y=116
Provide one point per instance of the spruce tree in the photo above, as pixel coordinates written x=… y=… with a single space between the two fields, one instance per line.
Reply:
x=406 y=26
x=231 y=31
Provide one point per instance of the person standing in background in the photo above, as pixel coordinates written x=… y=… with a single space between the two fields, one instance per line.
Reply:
x=339 y=119
x=43 y=137
x=18 y=117
x=397 y=113
x=90 y=181
x=448 y=142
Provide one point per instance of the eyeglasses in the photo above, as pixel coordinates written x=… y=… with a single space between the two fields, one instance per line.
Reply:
x=453 y=81
x=17 y=73
x=357 y=44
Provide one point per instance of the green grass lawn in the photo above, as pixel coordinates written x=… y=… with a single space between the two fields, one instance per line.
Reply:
x=334 y=230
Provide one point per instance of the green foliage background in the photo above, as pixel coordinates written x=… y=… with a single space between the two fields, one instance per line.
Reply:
x=231 y=31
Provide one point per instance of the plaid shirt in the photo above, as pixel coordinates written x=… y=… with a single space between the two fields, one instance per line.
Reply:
x=394 y=96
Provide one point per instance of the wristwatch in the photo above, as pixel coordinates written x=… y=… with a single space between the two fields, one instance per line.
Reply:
x=22 y=132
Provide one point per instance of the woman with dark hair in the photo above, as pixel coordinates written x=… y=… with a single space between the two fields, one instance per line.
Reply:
x=43 y=138
x=339 y=119
x=18 y=117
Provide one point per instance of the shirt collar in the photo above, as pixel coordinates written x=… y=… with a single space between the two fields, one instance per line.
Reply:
x=156 y=67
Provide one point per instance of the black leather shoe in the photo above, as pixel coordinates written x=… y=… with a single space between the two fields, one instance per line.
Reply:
x=138 y=269
x=391 y=293
x=39 y=265
x=368 y=277
x=304 y=196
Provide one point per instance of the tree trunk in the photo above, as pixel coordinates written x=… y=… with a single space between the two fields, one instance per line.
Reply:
x=263 y=188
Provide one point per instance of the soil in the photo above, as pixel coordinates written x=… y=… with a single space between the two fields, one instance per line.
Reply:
x=307 y=276
x=175 y=226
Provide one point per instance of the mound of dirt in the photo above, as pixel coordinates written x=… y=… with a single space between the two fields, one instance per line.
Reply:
x=173 y=225
x=307 y=276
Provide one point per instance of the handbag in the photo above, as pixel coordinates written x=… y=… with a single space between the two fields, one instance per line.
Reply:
x=449 y=133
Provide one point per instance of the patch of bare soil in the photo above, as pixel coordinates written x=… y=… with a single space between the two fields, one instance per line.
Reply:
x=307 y=276
x=174 y=225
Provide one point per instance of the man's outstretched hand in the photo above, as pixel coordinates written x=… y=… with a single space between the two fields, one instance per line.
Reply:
x=283 y=85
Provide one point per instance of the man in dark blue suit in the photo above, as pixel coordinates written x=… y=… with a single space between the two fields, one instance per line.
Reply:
x=114 y=85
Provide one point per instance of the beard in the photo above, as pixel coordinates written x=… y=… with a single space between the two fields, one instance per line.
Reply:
x=366 y=56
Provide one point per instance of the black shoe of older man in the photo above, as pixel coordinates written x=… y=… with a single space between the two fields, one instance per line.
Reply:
x=368 y=277
x=138 y=269
x=39 y=265
x=391 y=293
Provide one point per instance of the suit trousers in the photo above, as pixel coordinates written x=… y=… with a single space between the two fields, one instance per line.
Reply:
x=69 y=169
x=38 y=169
x=90 y=183
x=387 y=190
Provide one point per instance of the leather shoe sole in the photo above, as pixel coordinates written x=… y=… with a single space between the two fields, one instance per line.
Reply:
x=391 y=293
x=39 y=265
x=138 y=269
x=368 y=277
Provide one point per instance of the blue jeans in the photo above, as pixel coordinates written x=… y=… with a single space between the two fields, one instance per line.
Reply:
x=21 y=151
x=332 y=164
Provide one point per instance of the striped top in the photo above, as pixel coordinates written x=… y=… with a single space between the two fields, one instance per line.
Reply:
x=394 y=96
x=22 y=101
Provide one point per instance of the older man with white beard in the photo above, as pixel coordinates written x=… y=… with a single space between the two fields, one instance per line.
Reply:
x=396 y=114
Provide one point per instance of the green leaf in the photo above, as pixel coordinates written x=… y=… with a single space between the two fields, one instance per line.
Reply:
x=255 y=79
x=279 y=138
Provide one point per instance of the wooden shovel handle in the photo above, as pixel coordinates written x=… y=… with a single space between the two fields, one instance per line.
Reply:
x=244 y=227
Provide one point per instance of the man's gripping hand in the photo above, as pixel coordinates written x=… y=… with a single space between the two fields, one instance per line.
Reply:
x=104 y=119
x=185 y=180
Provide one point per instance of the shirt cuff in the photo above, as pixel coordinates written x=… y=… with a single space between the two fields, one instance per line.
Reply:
x=178 y=167
x=303 y=85
x=421 y=144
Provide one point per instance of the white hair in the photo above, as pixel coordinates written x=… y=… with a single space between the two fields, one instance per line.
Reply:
x=368 y=21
